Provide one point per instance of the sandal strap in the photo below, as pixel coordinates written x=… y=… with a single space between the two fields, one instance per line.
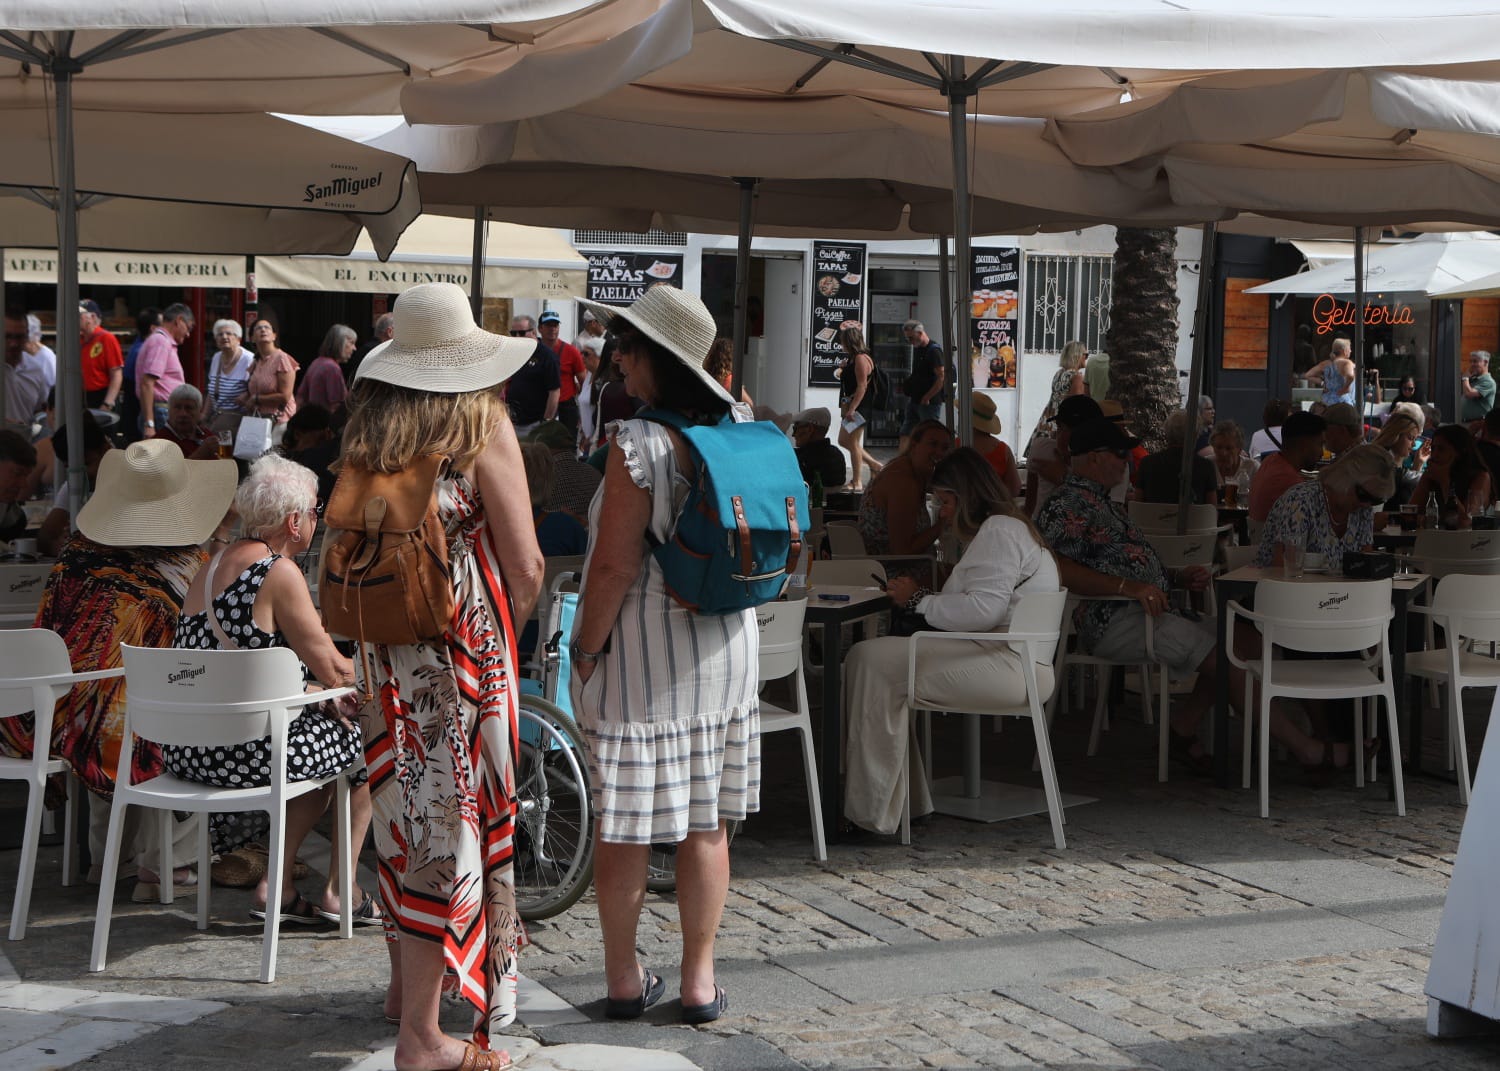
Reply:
x=477 y=1059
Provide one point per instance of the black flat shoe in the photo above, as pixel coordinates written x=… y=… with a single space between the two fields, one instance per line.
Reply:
x=652 y=988
x=698 y=1014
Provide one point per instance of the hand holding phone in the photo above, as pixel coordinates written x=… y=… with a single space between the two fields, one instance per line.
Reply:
x=879 y=580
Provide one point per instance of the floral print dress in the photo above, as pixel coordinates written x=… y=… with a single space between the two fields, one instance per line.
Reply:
x=442 y=782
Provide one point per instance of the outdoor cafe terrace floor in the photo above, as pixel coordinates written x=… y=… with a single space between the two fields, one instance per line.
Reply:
x=1176 y=931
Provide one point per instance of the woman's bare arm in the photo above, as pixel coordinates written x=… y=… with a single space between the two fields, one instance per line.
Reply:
x=293 y=613
x=618 y=555
x=501 y=479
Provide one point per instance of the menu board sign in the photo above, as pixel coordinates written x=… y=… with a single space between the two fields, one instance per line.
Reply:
x=837 y=297
x=994 y=303
x=621 y=278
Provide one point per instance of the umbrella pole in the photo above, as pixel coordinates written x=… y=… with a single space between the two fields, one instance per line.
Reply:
x=1359 y=321
x=69 y=400
x=958 y=97
x=476 y=267
x=1207 y=274
x=945 y=301
x=749 y=190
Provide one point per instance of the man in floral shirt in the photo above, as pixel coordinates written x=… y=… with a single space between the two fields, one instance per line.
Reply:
x=1100 y=552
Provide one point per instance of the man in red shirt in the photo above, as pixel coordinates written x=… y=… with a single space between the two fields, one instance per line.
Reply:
x=570 y=365
x=1301 y=448
x=103 y=362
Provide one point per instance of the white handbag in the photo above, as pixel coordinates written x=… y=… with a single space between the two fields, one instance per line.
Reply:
x=253 y=438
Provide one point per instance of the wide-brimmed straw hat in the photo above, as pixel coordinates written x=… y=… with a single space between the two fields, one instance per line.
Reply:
x=437 y=347
x=149 y=495
x=674 y=319
x=982 y=409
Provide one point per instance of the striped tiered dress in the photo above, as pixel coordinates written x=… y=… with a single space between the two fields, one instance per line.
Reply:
x=670 y=716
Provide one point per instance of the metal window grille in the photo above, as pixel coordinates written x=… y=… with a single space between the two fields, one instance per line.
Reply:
x=614 y=238
x=1068 y=299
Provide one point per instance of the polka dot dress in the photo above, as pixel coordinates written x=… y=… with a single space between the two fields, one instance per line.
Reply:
x=316 y=745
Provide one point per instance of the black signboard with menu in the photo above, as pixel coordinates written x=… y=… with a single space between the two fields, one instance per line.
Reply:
x=994 y=303
x=837 y=297
x=621 y=278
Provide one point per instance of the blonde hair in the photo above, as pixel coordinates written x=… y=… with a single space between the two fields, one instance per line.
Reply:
x=1393 y=428
x=1073 y=355
x=389 y=425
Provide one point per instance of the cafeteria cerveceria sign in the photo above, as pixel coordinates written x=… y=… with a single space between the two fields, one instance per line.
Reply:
x=128 y=269
x=1329 y=312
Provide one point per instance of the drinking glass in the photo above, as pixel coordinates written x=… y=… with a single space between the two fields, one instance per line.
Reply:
x=1293 y=558
x=226 y=443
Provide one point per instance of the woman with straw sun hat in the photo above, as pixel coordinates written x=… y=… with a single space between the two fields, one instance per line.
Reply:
x=122 y=579
x=987 y=442
x=440 y=754
x=666 y=698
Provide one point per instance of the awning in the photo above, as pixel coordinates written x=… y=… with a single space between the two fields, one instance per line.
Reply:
x=520 y=262
x=128 y=269
x=1319 y=253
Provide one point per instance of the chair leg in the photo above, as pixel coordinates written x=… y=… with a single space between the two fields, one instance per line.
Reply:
x=1359 y=742
x=74 y=797
x=30 y=838
x=164 y=879
x=1164 y=727
x=1456 y=733
x=1247 y=745
x=345 y=859
x=1144 y=672
x=1393 y=734
x=205 y=870
x=108 y=873
x=1264 y=728
x=276 y=859
x=1049 y=777
x=810 y=769
x=1099 y=704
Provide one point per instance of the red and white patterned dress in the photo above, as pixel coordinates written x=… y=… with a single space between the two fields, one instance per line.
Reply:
x=442 y=781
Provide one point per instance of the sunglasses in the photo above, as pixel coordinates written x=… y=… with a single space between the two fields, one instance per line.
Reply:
x=518 y=334
x=1117 y=451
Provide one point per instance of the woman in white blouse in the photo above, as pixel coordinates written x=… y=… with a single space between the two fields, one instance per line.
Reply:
x=228 y=374
x=1003 y=557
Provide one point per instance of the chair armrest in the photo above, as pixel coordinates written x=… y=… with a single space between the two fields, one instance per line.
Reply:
x=305 y=699
x=68 y=678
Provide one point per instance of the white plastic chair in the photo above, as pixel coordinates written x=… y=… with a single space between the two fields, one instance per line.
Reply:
x=1151 y=517
x=211 y=699
x=35 y=672
x=1183 y=551
x=1336 y=617
x=1473 y=553
x=1239 y=557
x=781 y=656
x=1468 y=609
x=844 y=540
x=1035 y=626
x=21 y=586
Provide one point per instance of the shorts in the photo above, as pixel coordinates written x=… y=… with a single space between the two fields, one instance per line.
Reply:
x=916 y=413
x=1180 y=644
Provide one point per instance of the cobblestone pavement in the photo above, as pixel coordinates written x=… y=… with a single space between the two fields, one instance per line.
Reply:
x=1177 y=930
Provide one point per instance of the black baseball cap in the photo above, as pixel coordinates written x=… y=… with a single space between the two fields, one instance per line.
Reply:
x=1099 y=434
x=551 y=316
x=1076 y=409
x=90 y=305
x=1302 y=425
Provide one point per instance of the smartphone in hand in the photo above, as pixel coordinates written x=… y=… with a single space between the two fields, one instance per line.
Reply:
x=879 y=580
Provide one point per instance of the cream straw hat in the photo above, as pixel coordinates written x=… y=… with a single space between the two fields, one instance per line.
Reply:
x=672 y=318
x=982 y=413
x=149 y=495
x=437 y=347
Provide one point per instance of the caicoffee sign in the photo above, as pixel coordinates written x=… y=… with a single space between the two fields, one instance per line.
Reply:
x=837 y=299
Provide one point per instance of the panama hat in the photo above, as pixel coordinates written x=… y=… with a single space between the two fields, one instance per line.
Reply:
x=149 y=495
x=437 y=347
x=674 y=319
x=982 y=408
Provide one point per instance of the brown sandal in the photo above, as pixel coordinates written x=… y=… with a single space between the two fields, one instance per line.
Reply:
x=477 y=1059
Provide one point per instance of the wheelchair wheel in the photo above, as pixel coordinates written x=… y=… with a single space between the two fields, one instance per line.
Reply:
x=661 y=864
x=554 y=842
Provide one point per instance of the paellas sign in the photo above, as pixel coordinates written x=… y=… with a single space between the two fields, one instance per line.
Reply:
x=837 y=299
x=621 y=278
x=1329 y=312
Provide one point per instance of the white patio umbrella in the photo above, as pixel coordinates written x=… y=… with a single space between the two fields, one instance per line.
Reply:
x=233 y=57
x=1428 y=264
x=1484 y=286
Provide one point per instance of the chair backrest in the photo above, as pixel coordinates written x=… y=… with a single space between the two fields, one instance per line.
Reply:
x=171 y=693
x=21 y=585
x=1336 y=616
x=1442 y=554
x=1162 y=517
x=844 y=540
x=846 y=572
x=1177 y=552
x=1239 y=557
x=780 y=626
x=552 y=568
x=1471 y=605
x=1039 y=611
x=29 y=652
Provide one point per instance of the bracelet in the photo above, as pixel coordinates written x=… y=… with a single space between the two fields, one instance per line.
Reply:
x=916 y=597
x=578 y=654
x=1121 y=589
x=220 y=539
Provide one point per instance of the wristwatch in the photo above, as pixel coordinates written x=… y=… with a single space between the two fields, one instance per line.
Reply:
x=150 y=423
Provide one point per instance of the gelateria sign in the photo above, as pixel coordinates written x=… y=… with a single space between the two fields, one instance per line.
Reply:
x=1328 y=313
x=128 y=269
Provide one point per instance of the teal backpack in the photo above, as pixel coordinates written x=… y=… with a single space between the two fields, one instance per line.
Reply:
x=739 y=532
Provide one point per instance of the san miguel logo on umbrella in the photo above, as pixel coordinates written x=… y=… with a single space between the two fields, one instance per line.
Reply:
x=342 y=186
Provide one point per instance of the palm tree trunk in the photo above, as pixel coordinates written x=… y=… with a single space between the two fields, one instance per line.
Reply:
x=1142 y=337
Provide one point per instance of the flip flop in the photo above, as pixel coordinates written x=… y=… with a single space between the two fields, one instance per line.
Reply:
x=698 y=1014
x=652 y=988
x=298 y=913
x=366 y=914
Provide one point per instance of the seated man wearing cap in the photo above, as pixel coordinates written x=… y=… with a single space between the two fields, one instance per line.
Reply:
x=1344 y=430
x=1100 y=552
x=1047 y=463
x=1301 y=448
x=572 y=482
x=815 y=454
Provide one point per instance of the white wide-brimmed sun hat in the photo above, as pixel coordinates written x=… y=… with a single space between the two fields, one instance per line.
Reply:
x=674 y=319
x=437 y=347
x=149 y=495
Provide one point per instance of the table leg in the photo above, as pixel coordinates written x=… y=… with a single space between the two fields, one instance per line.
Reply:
x=1400 y=637
x=830 y=781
